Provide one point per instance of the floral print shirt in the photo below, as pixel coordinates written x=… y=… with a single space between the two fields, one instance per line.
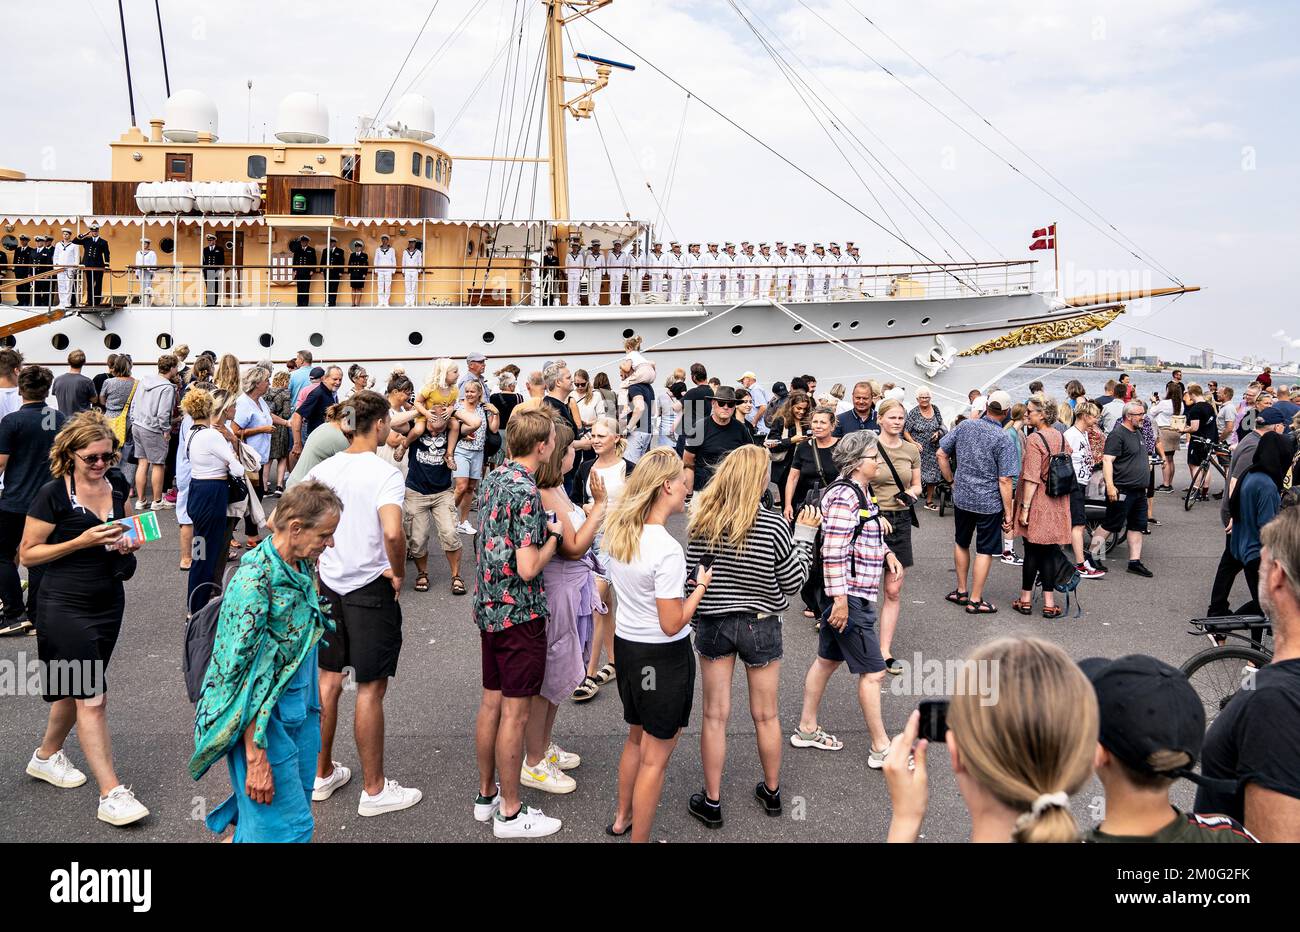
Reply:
x=511 y=516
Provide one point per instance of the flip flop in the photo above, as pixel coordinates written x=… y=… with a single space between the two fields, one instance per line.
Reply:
x=609 y=830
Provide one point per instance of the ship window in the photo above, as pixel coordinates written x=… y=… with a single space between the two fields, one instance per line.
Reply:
x=8 y=341
x=59 y=341
x=9 y=242
x=266 y=339
x=164 y=341
x=437 y=170
x=798 y=327
x=672 y=331
x=853 y=325
x=836 y=325
x=890 y=322
x=736 y=330
x=416 y=161
x=385 y=160
x=349 y=167
x=627 y=334
x=559 y=335
x=179 y=166
x=257 y=166
x=112 y=341
x=924 y=321
x=489 y=337
x=415 y=337
x=428 y=166
x=167 y=245
x=315 y=339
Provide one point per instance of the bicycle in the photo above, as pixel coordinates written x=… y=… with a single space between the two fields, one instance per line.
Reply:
x=1219 y=457
x=1218 y=673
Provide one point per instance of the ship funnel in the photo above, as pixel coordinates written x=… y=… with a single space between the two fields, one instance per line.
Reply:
x=303 y=118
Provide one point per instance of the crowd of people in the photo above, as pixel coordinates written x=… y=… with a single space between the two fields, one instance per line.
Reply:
x=333 y=483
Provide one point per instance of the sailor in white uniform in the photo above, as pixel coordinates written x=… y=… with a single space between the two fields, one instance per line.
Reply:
x=573 y=266
x=799 y=273
x=635 y=272
x=694 y=274
x=835 y=259
x=675 y=265
x=412 y=265
x=385 y=265
x=67 y=255
x=712 y=274
x=857 y=275
x=617 y=265
x=594 y=261
x=783 y=274
x=146 y=260
x=656 y=267
x=736 y=274
x=820 y=270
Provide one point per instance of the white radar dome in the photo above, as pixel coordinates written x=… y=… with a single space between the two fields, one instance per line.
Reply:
x=413 y=118
x=188 y=113
x=303 y=118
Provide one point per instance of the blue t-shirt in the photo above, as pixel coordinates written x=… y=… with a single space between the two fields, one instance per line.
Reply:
x=984 y=453
x=849 y=423
x=1288 y=408
x=298 y=380
x=1259 y=503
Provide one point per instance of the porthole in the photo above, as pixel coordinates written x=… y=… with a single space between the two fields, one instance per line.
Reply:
x=164 y=341
x=672 y=331
x=890 y=322
x=167 y=245
x=315 y=339
x=59 y=341
x=415 y=337
x=627 y=334
x=8 y=342
x=266 y=339
x=836 y=325
x=924 y=321
x=735 y=331
x=853 y=325
x=798 y=327
x=559 y=335
x=112 y=341
x=489 y=337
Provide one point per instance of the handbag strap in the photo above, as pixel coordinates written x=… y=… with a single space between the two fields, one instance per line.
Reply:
x=892 y=471
x=817 y=459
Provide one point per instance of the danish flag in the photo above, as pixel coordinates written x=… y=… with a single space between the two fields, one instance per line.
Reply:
x=1044 y=238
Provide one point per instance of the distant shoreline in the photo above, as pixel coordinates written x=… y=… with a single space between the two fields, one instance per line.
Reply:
x=1241 y=372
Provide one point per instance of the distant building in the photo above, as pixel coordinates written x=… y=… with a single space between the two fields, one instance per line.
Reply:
x=1088 y=353
x=1139 y=351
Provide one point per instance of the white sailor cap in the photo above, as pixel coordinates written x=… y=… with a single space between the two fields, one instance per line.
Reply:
x=835 y=245
x=689 y=245
x=67 y=230
x=617 y=244
x=94 y=226
x=744 y=242
x=817 y=245
x=383 y=236
x=728 y=245
x=656 y=243
x=146 y=240
x=595 y=242
x=674 y=245
x=779 y=244
x=762 y=245
x=848 y=243
x=711 y=244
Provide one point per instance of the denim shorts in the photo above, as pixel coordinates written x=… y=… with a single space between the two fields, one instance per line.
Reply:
x=469 y=464
x=754 y=637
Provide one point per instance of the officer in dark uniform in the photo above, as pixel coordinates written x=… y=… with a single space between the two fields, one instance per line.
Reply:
x=4 y=272
x=304 y=264
x=44 y=256
x=213 y=260
x=335 y=262
x=24 y=256
x=550 y=269
x=95 y=258
x=358 y=269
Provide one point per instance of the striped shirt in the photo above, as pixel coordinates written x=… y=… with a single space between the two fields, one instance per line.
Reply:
x=839 y=518
x=757 y=576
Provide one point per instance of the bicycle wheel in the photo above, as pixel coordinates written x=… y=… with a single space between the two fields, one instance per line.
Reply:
x=943 y=501
x=1189 y=497
x=1219 y=673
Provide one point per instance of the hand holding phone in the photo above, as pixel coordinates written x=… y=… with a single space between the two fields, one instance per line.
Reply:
x=703 y=574
x=934 y=719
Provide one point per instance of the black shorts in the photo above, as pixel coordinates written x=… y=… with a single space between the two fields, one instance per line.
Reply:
x=1198 y=451
x=987 y=530
x=368 y=631
x=1130 y=513
x=514 y=660
x=858 y=644
x=899 y=540
x=657 y=685
x=1078 y=514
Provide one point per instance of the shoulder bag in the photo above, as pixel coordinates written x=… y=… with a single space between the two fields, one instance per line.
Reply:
x=122 y=420
x=902 y=495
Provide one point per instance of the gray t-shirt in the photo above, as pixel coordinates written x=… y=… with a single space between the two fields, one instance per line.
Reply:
x=1131 y=466
x=1242 y=459
x=74 y=392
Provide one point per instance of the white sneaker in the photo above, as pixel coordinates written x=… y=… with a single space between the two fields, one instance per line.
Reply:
x=323 y=788
x=561 y=758
x=392 y=798
x=484 y=811
x=527 y=823
x=120 y=807
x=876 y=759
x=162 y=505
x=466 y=528
x=547 y=777
x=141 y=506
x=57 y=770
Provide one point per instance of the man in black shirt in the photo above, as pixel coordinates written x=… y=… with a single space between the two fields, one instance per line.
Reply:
x=335 y=262
x=550 y=269
x=1253 y=741
x=95 y=257
x=26 y=436
x=311 y=413
x=695 y=406
x=716 y=436
x=213 y=260
x=304 y=264
x=1126 y=469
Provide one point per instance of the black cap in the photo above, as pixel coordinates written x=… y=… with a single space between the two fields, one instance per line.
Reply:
x=779 y=389
x=1146 y=706
x=678 y=389
x=317 y=372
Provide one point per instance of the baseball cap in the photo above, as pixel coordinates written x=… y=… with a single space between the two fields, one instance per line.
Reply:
x=747 y=375
x=317 y=372
x=1270 y=416
x=476 y=357
x=999 y=402
x=1145 y=706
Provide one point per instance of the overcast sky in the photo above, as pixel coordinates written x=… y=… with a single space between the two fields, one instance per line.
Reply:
x=1175 y=119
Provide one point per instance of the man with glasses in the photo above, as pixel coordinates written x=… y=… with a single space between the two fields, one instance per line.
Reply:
x=26 y=436
x=1125 y=468
x=711 y=441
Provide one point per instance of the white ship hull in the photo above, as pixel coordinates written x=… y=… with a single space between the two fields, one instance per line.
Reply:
x=881 y=337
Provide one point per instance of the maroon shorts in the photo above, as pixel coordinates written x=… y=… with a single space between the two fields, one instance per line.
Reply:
x=514 y=660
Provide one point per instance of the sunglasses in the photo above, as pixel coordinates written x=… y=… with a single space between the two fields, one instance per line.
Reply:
x=725 y=404
x=579 y=384
x=94 y=459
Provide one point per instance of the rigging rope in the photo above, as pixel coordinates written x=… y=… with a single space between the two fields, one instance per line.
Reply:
x=380 y=109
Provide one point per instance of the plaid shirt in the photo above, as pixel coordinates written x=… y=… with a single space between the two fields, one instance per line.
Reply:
x=839 y=518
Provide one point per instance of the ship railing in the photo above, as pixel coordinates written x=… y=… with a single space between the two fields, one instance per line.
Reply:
x=522 y=283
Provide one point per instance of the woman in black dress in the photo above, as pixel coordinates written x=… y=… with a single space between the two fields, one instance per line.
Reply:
x=358 y=267
x=72 y=532
x=791 y=428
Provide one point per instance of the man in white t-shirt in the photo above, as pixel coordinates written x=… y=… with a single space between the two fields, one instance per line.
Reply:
x=361 y=578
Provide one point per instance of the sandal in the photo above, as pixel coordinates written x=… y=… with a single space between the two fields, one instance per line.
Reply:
x=818 y=738
x=981 y=608
x=605 y=674
x=183 y=568
x=421 y=582
x=586 y=690
x=233 y=554
x=1024 y=608
x=808 y=614
x=609 y=830
x=957 y=597
x=457 y=586
x=1052 y=611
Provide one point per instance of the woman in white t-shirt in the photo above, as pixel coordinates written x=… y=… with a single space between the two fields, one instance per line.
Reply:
x=1161 y=414
x=1086 y=415
x=656 y=670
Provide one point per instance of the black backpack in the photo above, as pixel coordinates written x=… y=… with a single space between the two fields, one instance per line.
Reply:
x=200 y=636
x=1061 y=478
x=1062 y=576
x=863 y=518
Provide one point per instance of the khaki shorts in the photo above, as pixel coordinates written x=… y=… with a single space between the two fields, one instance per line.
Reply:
x=438 y=509
x=1169 y=440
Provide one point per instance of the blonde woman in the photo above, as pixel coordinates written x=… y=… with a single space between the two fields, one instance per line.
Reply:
x=1044 y=702
x=436 y=398
x=228 y=378
x=899 y=460
x=648 y=570
x=757 y=564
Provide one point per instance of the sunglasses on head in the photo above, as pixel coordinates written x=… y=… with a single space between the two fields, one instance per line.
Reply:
x=94 y=459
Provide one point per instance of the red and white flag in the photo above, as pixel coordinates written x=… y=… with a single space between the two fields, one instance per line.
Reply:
x=1044 y=238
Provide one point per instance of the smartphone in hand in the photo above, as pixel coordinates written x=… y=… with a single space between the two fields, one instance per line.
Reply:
x=934 y=720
